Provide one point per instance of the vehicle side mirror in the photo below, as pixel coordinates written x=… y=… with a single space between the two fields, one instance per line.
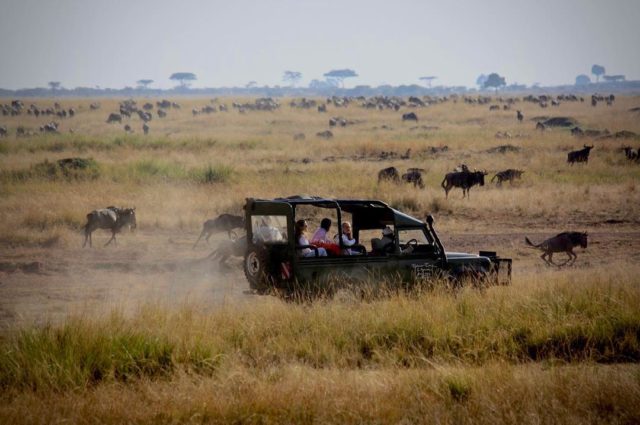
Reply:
x=430 y=220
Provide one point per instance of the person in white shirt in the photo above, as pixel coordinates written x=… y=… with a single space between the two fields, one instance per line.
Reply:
x=348 y=240
x=301 y=239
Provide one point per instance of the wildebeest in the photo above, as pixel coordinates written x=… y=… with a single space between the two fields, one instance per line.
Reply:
x=327 y=134
x=632 y=154
x=462 y=179
x=229 y=248
x=113 y=117
x=414 y=175
x=3 y=131
x=519 y=116
x=224 y=222
x=389 y=174
x=127 y=128
x=510 y=175
x=145 y=128
x=579 y=156
x=562 y=242
x=494 y=108
x=410 y=116
x=112 y=218
x=161 y=113
x=540 y=126
x=299 y=136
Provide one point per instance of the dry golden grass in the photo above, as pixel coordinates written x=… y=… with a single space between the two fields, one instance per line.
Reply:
x=527 y=353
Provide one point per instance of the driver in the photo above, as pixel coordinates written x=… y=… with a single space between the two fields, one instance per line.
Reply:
x=388 y=237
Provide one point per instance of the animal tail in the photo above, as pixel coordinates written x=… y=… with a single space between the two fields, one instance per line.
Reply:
x=526 y=239
x=494 y=177
x=442 y=184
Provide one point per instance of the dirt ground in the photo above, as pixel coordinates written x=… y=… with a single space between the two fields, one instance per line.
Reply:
x=46 y=285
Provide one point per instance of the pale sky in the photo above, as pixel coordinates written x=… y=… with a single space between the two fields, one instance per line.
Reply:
x=114 y=43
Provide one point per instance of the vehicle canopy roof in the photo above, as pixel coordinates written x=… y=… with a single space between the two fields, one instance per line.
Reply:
x=366 y=213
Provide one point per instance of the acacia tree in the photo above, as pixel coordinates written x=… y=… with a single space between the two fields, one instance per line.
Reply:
x=597 y=70
x=144 y=83
x=337 y=76
x=481 y=80
x=54 y=85
x=251 y=85
x=582 y=80
x=184 y=78
x=292 y=77
x=428 y=80
x=494 y=80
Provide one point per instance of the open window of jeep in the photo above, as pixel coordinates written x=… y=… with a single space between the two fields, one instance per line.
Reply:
x=410 y=249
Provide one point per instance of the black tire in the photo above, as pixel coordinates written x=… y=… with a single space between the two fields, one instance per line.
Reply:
x=257 y=270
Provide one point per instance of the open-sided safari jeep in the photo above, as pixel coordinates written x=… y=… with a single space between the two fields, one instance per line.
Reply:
x=274 y=260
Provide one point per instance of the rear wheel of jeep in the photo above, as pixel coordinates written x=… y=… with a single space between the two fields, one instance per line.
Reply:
x=257 y=270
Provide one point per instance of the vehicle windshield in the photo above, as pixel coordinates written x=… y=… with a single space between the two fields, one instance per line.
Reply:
x=405 y=235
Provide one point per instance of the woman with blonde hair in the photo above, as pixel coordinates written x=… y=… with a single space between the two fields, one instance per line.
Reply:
x=301 y=240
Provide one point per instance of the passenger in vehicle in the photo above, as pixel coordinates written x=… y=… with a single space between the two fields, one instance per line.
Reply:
x=266 y=232
x=322 y=234
x=321 y=238
x=348 y=240
x=301 y=240
x=386 y=244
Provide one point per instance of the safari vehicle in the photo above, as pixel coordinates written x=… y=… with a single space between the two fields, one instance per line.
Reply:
x=273 y=259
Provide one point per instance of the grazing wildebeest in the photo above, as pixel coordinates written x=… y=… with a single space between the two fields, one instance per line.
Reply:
x=632 y=154
x=509 y=175
x=224 y=222
x=577 y=131
x=229 y=248
x=562 y=242
x=579 y=156
x=462 y=179
x=389 y=174
x=112 y=218
x=410 y=116
x=327 y=134
x=414 y=175
x=161 y=113
x=113 y=117
x=519 y=116
x=494 y=108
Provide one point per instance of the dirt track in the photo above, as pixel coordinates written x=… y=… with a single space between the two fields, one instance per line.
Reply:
x=48 y=284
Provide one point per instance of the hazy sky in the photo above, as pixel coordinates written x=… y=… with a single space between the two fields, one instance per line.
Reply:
x=114 y=43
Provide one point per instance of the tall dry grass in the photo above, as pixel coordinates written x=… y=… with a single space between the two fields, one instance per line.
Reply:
x=528 y=353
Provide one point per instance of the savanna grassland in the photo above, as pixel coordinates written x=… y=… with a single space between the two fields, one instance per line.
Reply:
x=150 y=331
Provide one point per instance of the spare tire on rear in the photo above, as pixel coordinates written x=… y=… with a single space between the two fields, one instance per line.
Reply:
x=257 y=269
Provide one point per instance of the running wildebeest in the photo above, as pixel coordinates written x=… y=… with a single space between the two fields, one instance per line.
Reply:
x=462 y=179
x=579 y=156
x=509 y=175
x=562 y=242
x=410 y=116
x=229 y=248
x=414 y=175
x=222 y=223
x=389 y=174
x=112 y=218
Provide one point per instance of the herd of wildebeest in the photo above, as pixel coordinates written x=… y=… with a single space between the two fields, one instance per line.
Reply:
x=115 y=218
